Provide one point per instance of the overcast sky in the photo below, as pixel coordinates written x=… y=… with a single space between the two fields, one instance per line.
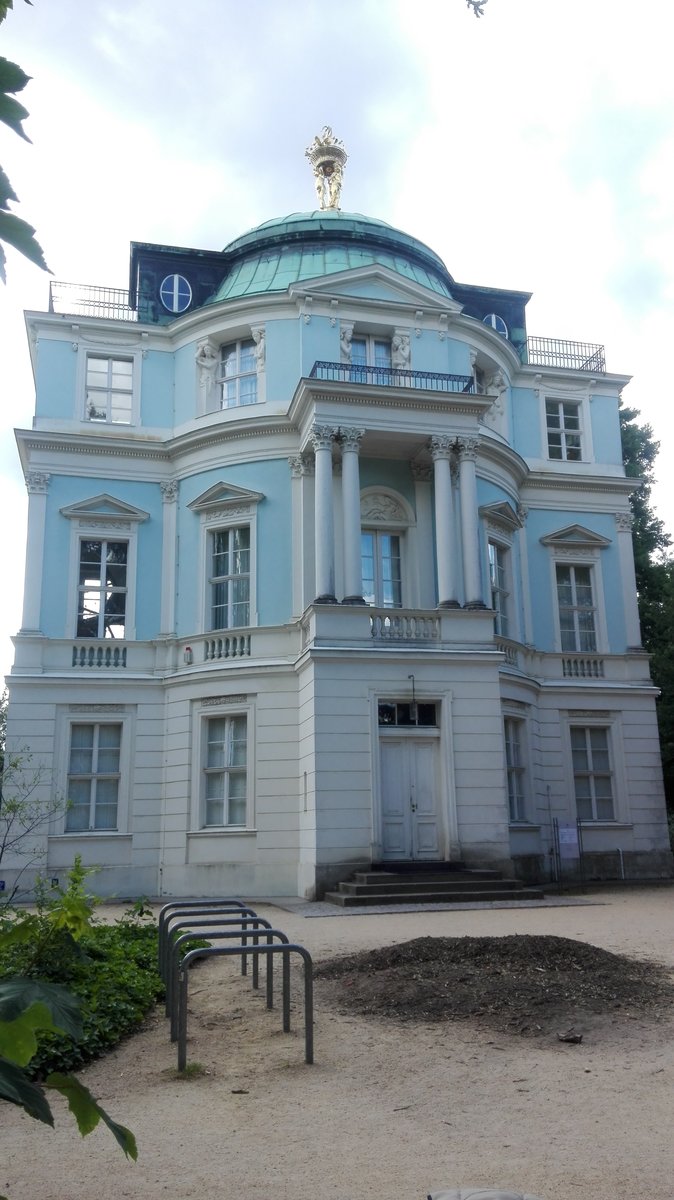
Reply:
x=532 y=149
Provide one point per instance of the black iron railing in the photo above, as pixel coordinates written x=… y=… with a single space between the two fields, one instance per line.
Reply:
x=430 y=381
x=83 y=300
x=574 y=356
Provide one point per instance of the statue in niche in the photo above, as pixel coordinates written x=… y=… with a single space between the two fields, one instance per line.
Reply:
x=260 y=348
x=400 y=351
x=345 y=335
x=207 y=360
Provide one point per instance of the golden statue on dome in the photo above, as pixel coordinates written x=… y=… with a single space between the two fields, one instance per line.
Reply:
x=328 y=159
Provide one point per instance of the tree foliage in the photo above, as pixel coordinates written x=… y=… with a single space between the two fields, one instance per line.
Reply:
x=14 y=231
x=655 y=578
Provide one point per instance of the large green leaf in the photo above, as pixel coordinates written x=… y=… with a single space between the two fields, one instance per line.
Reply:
x=18 y=1038
x=7 y=192
x=17 y=933
x=12 y=78
x=18 y=994
x=20 y=235
x=7 y=6
x=88 y=1112
x=16 y=1088
x=12 y=113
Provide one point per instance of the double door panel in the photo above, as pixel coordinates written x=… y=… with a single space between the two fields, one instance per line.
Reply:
x=409 y=798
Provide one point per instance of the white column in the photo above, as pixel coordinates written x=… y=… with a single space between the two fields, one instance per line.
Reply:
x=37 y=483
x=441 y=449
x=524 y=580
x=628 y=580
x=469 y=527
x=169 y=495
x=322 y=437
x=353 y=575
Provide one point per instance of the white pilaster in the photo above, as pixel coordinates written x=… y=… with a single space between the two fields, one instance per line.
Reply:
x=469 y=528
x=353 y=576
x=441 y=449
x=524 y=580
x=37 y=483
x=322 y=437
x=628 y=580
x=169 y=495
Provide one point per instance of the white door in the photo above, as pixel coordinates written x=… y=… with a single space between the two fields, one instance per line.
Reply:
x=409 y=798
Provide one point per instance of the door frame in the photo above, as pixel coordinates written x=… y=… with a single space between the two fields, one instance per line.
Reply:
x=442 y=733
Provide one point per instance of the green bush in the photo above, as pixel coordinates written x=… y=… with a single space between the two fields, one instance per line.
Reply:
x=111 y=969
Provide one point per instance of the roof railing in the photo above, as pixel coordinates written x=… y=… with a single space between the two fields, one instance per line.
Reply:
x=571 y=356
x=84 y=300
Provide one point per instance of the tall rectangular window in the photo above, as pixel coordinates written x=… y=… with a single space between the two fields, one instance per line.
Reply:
x=512 y=729
x=109 y=389
x=498 y=581
x=226 y=771
x=238 y=374
x=102 y=588
x=93 y=777
x=576 y=609
x=369 y=351
x=563 y=425
x=230 y=577
x=381 y=569
x=592 y=775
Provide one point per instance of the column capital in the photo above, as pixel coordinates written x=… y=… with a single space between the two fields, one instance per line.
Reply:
x=169 y=490
x=522 y=512
x=467 y=449
x=300 y=466
x=351 y=438
x=322 y=437
x=624 y=522
x=37 y=482
x=421 y=472
x=441 y=447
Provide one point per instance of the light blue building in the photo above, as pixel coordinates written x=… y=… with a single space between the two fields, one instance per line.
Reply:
x=329 y=563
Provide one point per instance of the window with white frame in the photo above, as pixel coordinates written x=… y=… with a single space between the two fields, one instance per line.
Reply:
x=381 y=568
x=592 y=773
x=563 y=422
x=102 y=588
x=238 y=374
x=109 y=389
x=373 y=352
x=498 y=585
x=513 y=732
x=575 y=601
x=93 y=777
x=226 y=771
x=229 y=580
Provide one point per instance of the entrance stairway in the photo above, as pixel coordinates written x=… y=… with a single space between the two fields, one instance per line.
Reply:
x=427 y=883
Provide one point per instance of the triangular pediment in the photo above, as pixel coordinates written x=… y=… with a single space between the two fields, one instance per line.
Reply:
x=376 y=283
x=102 y=508
x=575 y=536
x=224 y=495
x=501 y=513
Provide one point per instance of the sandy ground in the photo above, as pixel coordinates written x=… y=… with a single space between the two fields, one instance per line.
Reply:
x=386 y=1110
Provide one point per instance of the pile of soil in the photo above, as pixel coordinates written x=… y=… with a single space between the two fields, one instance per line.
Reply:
x=519 y=984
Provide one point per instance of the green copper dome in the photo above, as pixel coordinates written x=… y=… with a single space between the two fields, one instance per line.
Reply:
x=309 y=245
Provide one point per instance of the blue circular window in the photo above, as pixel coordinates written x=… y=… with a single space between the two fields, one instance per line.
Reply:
x=497 y=323
x=175 y=293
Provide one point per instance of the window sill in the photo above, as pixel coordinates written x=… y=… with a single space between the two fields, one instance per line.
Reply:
x=88 y=833
x=525 y=826
x=606 y=825
x=222 y=831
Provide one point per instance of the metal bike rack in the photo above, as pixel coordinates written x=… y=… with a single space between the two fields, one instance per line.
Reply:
x=212 y=917
x=285 y=948
x=259 y=927
x=196 y=906
x=242 y=917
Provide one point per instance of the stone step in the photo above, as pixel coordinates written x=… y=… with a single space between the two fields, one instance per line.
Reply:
x=400 y=886
x=441 y=896
x=384 y=878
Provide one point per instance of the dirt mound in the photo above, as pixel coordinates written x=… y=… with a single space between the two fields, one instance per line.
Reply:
x=519 y=984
